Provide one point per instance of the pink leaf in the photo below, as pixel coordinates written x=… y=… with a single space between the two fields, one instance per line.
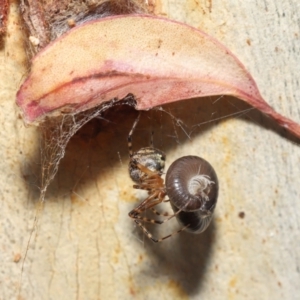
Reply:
x=155 y=59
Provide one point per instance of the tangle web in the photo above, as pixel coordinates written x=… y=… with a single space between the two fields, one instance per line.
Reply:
x=55 y=135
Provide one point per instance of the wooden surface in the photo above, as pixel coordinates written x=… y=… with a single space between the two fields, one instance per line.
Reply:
x=86 y=247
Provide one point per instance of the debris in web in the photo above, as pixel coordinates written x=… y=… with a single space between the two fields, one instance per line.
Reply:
x=57 y=132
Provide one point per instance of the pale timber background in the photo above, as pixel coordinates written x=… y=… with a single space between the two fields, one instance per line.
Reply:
x=86 y=247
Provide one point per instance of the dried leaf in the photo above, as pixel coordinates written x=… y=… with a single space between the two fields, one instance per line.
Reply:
x=157 y=60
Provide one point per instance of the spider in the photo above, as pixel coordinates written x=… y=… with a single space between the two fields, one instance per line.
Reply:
x=191 y=185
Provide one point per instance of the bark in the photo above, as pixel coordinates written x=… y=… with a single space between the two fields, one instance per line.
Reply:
x=86 y=247
x=48 y=19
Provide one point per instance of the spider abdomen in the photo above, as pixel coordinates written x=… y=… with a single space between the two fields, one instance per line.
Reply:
x=149 y=157
x=192 y=187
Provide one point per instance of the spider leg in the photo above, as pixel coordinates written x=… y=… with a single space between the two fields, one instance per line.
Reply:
x=151 y=141
x=152 y=221
x=164 y=214
x=146 y=204
x=145 y=186
x=150 y=181
x=137 y=216
x=148 y=172
x=150 y=236
x=129 y=138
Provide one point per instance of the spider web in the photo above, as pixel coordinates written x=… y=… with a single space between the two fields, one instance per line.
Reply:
x=57 y=132
x=55 y=135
